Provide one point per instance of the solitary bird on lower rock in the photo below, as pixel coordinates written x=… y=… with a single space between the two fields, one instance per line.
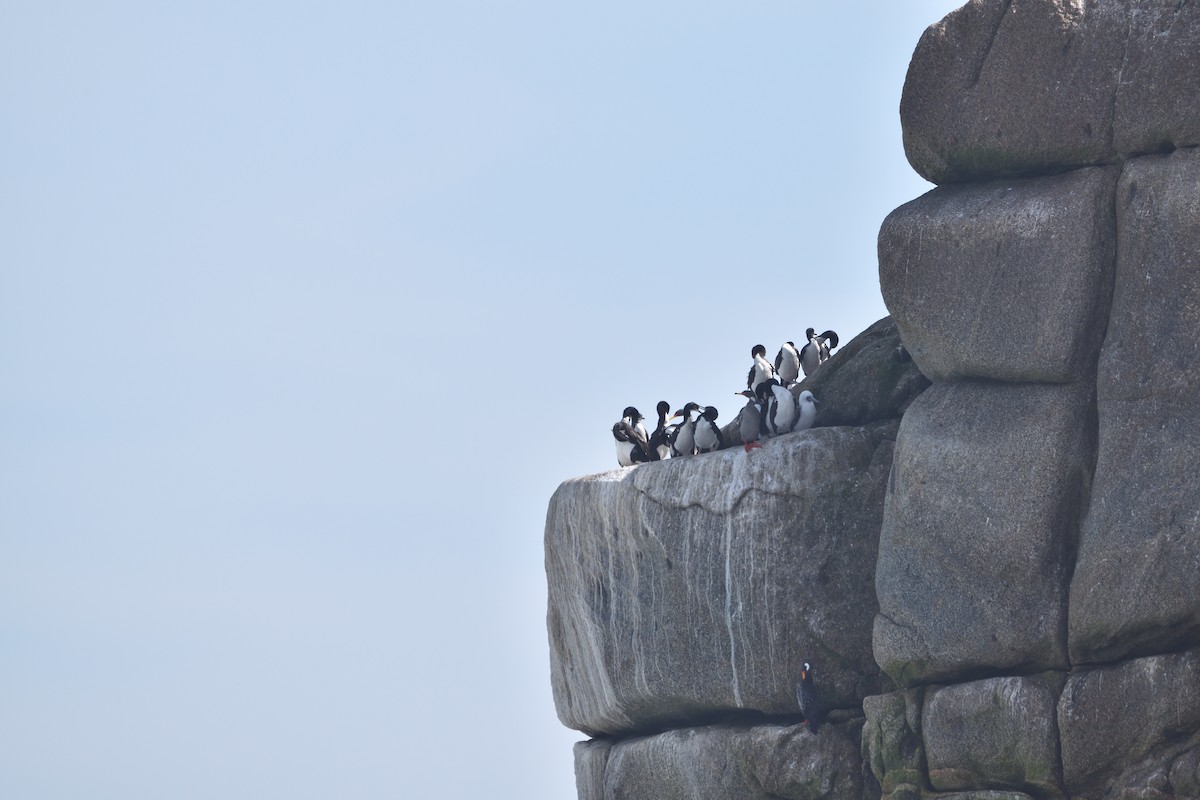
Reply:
x=806 y=696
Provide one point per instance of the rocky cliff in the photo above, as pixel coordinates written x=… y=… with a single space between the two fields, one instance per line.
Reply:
x=997 y=577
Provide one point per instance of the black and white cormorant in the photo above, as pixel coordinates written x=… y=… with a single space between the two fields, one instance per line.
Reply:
x=660 y=440
x=761 y=369
x=779 y=407
x=816 y=352
x=633 y=446
x=787 y=364
x=708 y=433
x=683 y=439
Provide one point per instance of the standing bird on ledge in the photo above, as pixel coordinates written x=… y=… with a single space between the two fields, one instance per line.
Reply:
x=660 y=440
x=708 y=433
x=750 y=421
x=806 y=696
x=816 y=352
x=806 y=411
x=779 y=407
x=633 y=447
x=787 y=364
x=683 y=439
x=761 y=369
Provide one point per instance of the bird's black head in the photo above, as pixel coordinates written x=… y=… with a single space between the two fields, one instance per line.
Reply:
x=710 y=413
x=664 y=408
x=808 y=333
x=758 y=350
x=763 y=390
x=792 y=345
x=633 y=414
x=746 y=393
x=687 y=409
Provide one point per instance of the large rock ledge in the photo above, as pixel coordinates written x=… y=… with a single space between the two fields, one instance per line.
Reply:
x=766 y=762
x=694 y=589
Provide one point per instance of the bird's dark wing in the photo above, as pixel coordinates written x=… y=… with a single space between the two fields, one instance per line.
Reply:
x=642 y=451
x=779 y=359
x=750 y=377
x=810 y=705
x=660 y=438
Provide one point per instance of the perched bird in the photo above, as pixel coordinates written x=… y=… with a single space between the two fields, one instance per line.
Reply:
x=750 y=421
x=683 y=439
x=816 y=352
x=806 y=407
x=708 y=433
x=633 y=446
x=761 y=370
x=787 y=364
x=806 y=696
x=660 y=440
x=779 y=407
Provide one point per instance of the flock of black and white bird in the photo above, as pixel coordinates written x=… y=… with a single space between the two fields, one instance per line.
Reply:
x=771 y=409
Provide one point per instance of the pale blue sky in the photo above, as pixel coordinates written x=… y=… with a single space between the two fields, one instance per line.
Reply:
x=305 y=310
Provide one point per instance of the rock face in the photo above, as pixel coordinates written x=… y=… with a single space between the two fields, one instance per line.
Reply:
x=1019 y=87
x=1137 y=583
x=979 y=530
x=698 y=587
x=994 y=732
x=989 y=546
x=891 y=743
x=1133 y=725
x=765 y=762
x=955 y=263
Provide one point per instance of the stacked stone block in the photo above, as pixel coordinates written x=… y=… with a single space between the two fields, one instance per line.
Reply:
x=1039 y=566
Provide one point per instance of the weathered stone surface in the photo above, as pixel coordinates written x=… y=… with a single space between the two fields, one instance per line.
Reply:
x=766 y=762
x=1019 y=87
x=997 y=733
x=689 y=589
x=1158 y=95
x=1135 y=726
x=983 y=795
x=869 y=378
x=979 y=529
x=591 y=759
x=1011 y=87
x=989 y=794
x=1136 y=587
x=891 y=741
x=1004 y=280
